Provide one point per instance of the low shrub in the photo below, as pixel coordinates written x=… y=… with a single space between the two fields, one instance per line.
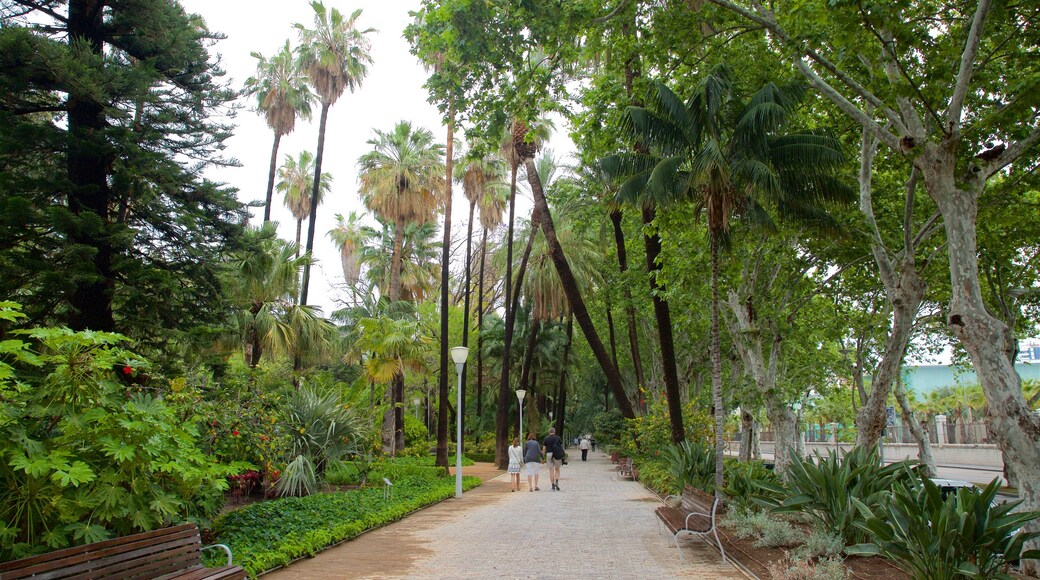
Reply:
x=826 y=569
x=768 y=530
x=266 y=535
x=961 y=536
x=819 y=545
x=655 y=474
x=744 y=481
x=827 y=489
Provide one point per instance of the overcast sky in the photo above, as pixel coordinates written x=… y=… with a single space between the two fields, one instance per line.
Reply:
x=391 y=92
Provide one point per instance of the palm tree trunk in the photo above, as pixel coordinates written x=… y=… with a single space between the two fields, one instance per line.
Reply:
x=299 y=232
x=480 y=326
x=502 y=416
x=466 y=291
x=561 y=391
x=395 y=260
x=522 y=270
x=314 y=201
x=716 y=363
x=442 y=408
x=570 y=287
x=664 y=329
x=611 y=336
x=270 y=179
x=630 y=311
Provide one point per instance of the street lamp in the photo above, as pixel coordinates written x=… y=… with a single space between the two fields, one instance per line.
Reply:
x=520 y=397
x=458 y=354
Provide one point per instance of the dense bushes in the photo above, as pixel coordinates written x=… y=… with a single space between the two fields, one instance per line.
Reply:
x=270 y=534
x=88 y=448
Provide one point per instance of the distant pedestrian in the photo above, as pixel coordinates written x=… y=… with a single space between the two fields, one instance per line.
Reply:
x=552 y=447
x=593 y=440
x=584 y=448
x=516 y=461
x=533 y=461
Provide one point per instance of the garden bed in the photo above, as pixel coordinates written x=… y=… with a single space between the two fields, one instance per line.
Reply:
x=758 y=560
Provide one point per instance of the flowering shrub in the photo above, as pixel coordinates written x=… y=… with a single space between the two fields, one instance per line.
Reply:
x=651 y=434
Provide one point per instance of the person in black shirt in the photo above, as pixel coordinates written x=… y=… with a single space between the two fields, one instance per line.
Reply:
x=552 y=447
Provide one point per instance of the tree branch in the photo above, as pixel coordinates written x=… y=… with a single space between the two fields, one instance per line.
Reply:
x=1013 y=152
x=971 y=49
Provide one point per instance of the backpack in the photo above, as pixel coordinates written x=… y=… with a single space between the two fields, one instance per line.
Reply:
x=557 y=450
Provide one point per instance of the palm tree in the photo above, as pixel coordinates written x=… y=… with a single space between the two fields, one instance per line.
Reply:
x=295 y=178
x=349 y=235
x=401 y=179
x=264 y=287
x=727 y=156
x=281 y=93
x=478 y=176
x=492 y=205
x=335 y=54
x=419 y=263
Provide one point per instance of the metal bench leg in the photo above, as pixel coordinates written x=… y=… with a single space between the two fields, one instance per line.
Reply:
x=722 y=550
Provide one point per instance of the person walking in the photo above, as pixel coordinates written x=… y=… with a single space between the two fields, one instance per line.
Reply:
x=516 y=461
x=532 y=461
x=552 y=447
x=584 y=448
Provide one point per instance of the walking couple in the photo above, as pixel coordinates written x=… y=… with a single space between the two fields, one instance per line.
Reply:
x=530 y=458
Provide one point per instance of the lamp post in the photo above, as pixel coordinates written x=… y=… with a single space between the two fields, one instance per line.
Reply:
x=458 y=354
x=520 y=397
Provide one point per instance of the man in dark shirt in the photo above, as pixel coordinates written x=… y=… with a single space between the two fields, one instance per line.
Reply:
x=552 y=447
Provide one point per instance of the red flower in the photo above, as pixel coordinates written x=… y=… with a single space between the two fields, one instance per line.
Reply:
x=127 y=370
x=235 y=433
x=214 y=423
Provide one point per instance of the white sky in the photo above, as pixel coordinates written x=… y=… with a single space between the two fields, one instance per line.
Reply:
x=391 y=92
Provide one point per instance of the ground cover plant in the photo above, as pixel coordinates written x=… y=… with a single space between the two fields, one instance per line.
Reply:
x=270 y=534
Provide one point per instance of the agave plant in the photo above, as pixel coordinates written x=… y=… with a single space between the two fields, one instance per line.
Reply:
x=745 y=481
x=692 y=464
x=965 y=535
x=321 y=429
x=825 y=490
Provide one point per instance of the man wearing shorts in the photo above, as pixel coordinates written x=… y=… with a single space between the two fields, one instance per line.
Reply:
x=552 y=447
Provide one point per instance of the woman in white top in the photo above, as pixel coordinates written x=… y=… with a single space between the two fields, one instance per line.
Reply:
x=516 y=460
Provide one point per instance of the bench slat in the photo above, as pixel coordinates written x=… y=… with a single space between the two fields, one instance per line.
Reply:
x=173 y=552
x=86 y=552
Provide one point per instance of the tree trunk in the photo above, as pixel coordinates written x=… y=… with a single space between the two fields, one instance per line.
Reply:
x=270 y=178
x=504 y=394
x=299 y=233
x=570 y=287
x=480 y=327
x=924 y=446
x=467 y=292
x=613 y=340
x=664 y=329
x=716 y=366
x=561 y=391
x=986 y=339
x=906 y=299
x=747 y=426
x=314 y=200
x=87 y=165
x=630 y=311
x=446 y=362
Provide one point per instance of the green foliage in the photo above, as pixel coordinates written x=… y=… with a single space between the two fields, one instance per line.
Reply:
x=270 y=534
x=962 y=536
x=609 y=428
x=805 y=569
x=86 y=454
x=655 y=474
x=829 y=490
x=746 y=480
x=767 y=529
x=320 y=429
x=692 y=464
x=651 y=434
x=820 y=544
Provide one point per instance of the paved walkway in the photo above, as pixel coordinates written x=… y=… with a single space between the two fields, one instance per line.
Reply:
x=598 y=526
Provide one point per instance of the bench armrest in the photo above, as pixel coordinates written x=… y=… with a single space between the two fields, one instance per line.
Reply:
x=226 y=549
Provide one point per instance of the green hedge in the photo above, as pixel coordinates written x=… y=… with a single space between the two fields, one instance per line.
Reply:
x=266 y=535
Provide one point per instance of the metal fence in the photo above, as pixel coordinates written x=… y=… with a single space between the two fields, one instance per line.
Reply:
x=956 y=433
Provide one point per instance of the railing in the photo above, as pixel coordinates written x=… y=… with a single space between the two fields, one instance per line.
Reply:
x=956 y=433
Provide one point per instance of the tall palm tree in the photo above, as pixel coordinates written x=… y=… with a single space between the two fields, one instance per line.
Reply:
x=335 y=54
x=419 y=259
x=401 y=182
x=295 y=177
x=478 y=176
x=282 y=94
x=492 y=206
x=727 y=156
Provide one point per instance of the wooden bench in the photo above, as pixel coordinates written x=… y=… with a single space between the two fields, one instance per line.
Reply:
x=625 y=468
x=695 y=516
x=167 y=553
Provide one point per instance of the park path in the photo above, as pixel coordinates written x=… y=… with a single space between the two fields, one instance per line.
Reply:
x=598 y=526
